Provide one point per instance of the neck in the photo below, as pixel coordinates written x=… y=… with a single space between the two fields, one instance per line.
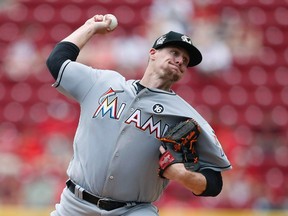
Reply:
x=155 y=82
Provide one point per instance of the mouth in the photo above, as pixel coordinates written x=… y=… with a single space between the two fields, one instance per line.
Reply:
x=176 y=67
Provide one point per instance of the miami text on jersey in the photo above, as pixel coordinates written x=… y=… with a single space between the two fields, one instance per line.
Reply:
x=111 y=108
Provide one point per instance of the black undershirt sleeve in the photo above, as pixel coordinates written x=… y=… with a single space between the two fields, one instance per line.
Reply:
x=214 y=182
x=62 y=52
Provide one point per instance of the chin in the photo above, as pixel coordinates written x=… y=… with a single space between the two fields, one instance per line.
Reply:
x=176 y=78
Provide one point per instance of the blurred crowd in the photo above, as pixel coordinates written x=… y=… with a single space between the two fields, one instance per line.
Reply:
x=241 y=88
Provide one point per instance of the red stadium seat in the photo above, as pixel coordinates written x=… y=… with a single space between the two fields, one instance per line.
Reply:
x=254 y=116
x=233 y=77
x=21 y=92
x=238 y=96
x=71 y=13
x=281 y=15
x=279 y=115
x=211 y=95
x=281 y=76
x=14 y=112
x=44 y=13
x=263 y=96
x=228 y=115
x=9 y=31
x=257 y=76
x=37 y=112
x=284 y=96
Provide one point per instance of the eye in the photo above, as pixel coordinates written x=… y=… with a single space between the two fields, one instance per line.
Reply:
x=185 y=61
x=174 y=53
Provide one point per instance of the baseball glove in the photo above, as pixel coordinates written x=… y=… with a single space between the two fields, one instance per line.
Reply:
x=179 y=143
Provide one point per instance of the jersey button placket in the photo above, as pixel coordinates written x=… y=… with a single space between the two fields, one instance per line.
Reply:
x=111 y=177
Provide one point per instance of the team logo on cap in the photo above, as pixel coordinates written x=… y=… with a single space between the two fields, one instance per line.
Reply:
x=186 y=39
x=160 y=40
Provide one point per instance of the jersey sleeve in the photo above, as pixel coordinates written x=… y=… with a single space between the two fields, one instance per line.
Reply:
x=75 y=79
x=61 y=52
x=211 y=153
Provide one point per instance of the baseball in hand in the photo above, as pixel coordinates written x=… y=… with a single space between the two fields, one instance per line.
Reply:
x=114 y=22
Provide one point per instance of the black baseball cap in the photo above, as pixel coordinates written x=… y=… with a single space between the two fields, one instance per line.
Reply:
x=181 y=40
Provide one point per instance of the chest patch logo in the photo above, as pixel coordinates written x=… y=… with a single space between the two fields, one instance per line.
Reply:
x=110 y=106
x=158 y=108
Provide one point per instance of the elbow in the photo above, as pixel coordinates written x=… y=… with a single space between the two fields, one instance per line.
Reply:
x=214 y=191
x=62 y=52
x=214 y=183
x=49 y=63
x=52 y=67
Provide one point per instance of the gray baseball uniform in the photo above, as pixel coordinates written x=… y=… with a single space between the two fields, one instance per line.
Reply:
x=116 y=146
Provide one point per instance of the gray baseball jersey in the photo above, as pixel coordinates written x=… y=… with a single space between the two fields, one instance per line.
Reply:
x=116 y=146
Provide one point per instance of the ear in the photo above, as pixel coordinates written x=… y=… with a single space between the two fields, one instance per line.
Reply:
x=152 y=53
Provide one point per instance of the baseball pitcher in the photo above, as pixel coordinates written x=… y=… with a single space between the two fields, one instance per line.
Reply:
x=134 y=136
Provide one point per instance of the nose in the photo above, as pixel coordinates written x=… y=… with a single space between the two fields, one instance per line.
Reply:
x=179 y=60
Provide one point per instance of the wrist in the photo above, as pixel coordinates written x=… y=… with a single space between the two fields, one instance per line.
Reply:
x=194 y=181
x=89 y=28
x=180 y=173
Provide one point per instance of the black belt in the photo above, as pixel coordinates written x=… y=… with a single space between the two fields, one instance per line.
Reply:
x=105 y=204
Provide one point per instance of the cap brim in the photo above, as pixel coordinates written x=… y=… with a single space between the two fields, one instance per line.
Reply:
x=194 y=54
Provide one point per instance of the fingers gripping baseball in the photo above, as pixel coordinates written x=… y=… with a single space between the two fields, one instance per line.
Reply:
x=111 y=20
x=103 y=23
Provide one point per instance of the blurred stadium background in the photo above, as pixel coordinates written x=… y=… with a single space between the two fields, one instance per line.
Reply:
x=241 y=88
